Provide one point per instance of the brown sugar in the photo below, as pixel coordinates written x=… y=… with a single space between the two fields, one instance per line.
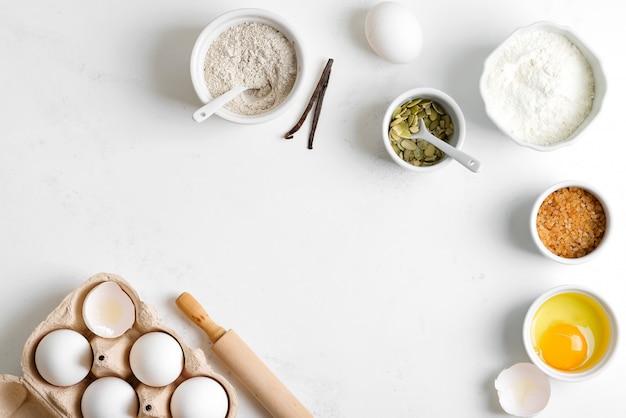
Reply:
x=571 y=222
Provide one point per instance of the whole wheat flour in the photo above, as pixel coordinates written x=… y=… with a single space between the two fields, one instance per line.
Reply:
x=257 y=56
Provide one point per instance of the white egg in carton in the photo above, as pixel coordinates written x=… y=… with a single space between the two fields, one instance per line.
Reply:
x=104 y=350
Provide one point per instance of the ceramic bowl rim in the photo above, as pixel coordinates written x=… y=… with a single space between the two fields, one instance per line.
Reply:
x=446 y=101
x=561 y=375
x=223 y=22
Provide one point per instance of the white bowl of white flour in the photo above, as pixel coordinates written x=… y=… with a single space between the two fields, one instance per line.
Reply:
x=542 y=86
x=254 y=48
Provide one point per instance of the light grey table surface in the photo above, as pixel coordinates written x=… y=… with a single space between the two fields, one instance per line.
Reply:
x=370 y=291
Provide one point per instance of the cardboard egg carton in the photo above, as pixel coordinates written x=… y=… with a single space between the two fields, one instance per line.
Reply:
x=31 y=396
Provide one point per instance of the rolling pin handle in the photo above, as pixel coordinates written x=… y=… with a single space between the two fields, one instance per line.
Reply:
x=194 y=311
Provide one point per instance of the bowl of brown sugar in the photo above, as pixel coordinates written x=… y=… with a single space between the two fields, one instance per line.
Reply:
x=252 y=48
x=570 y=222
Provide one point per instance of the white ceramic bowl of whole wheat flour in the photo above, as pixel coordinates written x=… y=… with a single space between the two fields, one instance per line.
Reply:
x=251 y=47
x=542 y=86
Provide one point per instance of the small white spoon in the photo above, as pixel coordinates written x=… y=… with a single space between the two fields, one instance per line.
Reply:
x=467 y=161
x=208 y=109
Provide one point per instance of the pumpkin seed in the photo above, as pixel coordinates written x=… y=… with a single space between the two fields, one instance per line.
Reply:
x=408 y=144
x=396 y=121
x=394 y=136
x=414 y=102
x=405 y=122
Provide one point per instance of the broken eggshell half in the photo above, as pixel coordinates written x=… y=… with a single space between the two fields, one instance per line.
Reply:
x=523 y=390
x=108 y=311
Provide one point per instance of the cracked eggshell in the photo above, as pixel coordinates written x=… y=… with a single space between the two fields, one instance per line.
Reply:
x=108 y=311
x=523 y=390
x=394 y=32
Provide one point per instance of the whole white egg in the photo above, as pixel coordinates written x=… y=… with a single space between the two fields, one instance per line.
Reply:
x=394 y=32
x=109 y=397
x=63 y=357
x=197 y=397
x=156 y=359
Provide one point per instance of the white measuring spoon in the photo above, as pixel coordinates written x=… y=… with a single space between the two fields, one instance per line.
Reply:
x=208 y=109
x=466 y=160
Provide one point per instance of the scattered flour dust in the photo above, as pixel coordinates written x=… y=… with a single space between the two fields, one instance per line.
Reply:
x=539 y=87
x=257 y=56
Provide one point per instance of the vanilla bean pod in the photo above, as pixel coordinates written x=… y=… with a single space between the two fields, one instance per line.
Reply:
x=318 y=93
x=318 y=109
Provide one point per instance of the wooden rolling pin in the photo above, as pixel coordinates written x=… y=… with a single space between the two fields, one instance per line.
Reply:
x=246 y=365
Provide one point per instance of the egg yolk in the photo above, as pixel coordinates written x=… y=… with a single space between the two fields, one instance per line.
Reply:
x=564 y=347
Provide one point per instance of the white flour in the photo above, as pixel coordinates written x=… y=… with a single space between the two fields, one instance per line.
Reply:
x=254 y=55
x=540 y=87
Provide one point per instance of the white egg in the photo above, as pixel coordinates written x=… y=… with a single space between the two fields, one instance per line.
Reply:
x=394 y=32
x=63 y=357
x=109 y=397
x=156 y=359
x=108 y=311
x=523 y=390
x=198 y=397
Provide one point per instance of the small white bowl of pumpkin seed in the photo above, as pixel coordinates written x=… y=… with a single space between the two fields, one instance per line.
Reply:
x=443 y=118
